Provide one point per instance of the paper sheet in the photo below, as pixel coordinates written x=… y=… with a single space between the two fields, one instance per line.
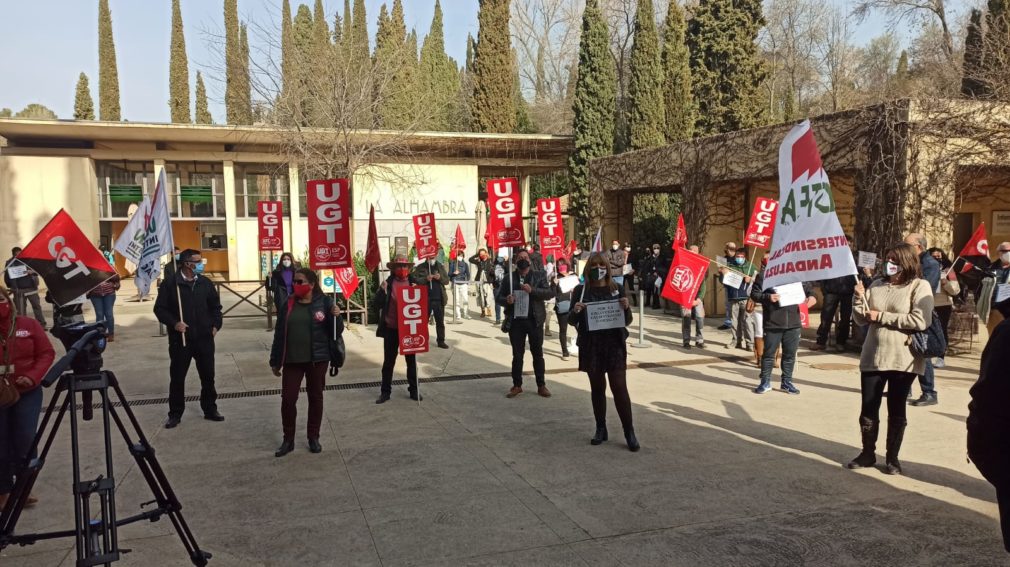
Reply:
x=17 y=270
x=732 y=279
x=866 y=259
x=568 y=283
x=602 y=315
x=791 y=294
x=521 y=307
x=626 y=270
x=1002 y=292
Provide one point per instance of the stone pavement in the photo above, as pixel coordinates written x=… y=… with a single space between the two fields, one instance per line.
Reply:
x=468 y=477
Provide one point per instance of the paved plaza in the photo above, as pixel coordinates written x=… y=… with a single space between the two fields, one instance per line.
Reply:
x=468 y=477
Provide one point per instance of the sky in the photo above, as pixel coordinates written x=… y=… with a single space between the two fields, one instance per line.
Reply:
x=46 y=44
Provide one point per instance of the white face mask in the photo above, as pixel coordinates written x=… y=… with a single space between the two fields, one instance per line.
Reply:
x=1005 y=257
x=615 y=248
x=287 y=263
x=891 y=269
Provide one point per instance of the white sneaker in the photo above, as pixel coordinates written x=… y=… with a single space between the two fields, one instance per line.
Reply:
x=938 y=362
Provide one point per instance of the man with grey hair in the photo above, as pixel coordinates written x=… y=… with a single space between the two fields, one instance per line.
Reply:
x=930 y=273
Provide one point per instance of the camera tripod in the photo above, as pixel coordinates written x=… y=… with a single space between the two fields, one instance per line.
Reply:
x=97 y=539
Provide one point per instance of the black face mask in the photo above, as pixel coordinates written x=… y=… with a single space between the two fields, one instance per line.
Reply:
x=522 y=264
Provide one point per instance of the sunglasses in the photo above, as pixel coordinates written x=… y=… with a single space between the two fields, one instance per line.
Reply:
x=301 y=281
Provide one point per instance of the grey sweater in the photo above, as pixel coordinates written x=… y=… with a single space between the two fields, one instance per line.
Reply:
x=903 y=309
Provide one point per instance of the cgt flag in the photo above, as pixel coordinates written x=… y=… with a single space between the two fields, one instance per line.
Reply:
x=412 y=319
x=458 y=242
x=68 y=262
x=808 y=243
x=687 y=272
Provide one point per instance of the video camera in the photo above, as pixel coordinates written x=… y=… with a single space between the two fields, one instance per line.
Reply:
x=85 y=344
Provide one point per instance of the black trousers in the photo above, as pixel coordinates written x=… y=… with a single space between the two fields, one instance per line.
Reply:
x=898 y=384
x=438 y=310
x=832 y=302
x=390 y=350
x=563 y=332
x=201 y=351
x=520 y=331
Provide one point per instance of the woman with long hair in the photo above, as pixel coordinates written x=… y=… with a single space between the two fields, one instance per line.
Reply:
x=603 y=354
x=282 y=280
x=894 y=306
x=562 y=304
x=301 y=350
x=25 y=356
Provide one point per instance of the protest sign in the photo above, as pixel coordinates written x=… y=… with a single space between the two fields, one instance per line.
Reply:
x=505 y=202
x=790 y=294
x=271 y=235
x=808 y=242
x=1002 y=293
x=687 y=272
x=867 y=260
x=732 y=279
x=425 y=240
x=550 y=229
x=602 y=315
x=521 y=305
x=328 y=203
x=762 y=223
x=412 y=319
x=568 y=283
x=17 y=270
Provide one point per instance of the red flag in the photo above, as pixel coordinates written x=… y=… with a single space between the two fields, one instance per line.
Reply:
x=66 y=259
x=680 y=237
x=505 y=201
x=373 y=257
x=412 y=319
x=347 y=279
x=459 y=243
x=552 y=232
x=978 y=245
x=570 y=250
x=329 y=207
x=425 y=239
x=687 y=272
x=804 y=315
x=762 y=223
x=268 y=215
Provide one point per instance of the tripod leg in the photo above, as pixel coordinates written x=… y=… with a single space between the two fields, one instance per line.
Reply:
x=143 y=453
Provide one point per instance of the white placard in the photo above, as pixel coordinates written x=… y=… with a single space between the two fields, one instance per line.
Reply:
x=721 y=260
x=601 y=315
x=17 y=270
x=732 y=279
x=568 y=283
x=627 y=269
x=1002 y=293
x=521 y=307
x=791 y=294
x=867 y=259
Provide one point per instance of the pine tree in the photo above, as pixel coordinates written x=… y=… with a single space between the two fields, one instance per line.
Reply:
x=726 y=68
x=677 y=99
x=178 y=71
x=494 y=104
x=232 y=58
x=439 y=79
x=972 y=83
x=84 y=107
x=647 y=116
x=287 y=50
x=108 y=74
x=595 y=102
x=202 y=111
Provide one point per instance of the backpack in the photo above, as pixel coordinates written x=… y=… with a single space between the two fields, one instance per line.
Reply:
x=931 y=342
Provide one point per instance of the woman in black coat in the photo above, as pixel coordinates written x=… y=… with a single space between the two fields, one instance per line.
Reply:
x=306 y=332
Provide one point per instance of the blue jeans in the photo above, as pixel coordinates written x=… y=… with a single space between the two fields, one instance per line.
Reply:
x=18 y=424
x=728 y=321
x=698 y=315
x=103 y=311
x=790 y=341
x=928 y=380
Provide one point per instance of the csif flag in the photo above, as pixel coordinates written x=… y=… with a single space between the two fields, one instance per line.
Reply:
x=687 y=272
x=978 y=245
x=157 y=238
x=373 y=256
x=680 y=237
x=68 y=262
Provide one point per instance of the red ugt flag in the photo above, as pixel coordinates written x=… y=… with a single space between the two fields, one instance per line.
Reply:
x=68 y=262
x=978 y=245
x=329 y=207
x=268 y=214
x=412 y=319
x=680 y=237
x=425 y=239
x=373 y=257
x=505 y=202
x=762 y=223
x=347 y=279
x=551 y=230
x=687 y=271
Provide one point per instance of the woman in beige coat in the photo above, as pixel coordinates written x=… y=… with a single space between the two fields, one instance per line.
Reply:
x=894 y=307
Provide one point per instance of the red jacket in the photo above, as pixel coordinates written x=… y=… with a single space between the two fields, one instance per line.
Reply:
x=33 y=353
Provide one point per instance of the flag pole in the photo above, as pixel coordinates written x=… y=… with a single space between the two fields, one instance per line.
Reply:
x=178 y=289
x=334 y=274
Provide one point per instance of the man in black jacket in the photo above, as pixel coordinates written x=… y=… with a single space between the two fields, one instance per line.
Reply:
x=201 y=320
x=24 y=287
x=782 y=326
x=838 y=293
x=531 y=324
x=432 y=274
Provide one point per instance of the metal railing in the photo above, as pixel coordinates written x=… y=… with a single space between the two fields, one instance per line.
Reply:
x=262 y=310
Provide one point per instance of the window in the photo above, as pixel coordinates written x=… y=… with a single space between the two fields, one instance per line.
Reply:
x=260 y=183
x=121 y=185
x=195 y=190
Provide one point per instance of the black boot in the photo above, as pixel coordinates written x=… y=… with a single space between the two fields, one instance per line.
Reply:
x=601 y=433
x=895 y=434
x=869 y=428
x=629 y=436
x=314 y=446
x=285 y=448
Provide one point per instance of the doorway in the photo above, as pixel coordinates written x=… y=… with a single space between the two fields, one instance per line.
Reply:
x=964 y=227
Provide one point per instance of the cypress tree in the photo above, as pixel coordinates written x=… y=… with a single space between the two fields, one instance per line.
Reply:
x=647 y=116
x=996 y=48
x=348 y=20
x=972 y=83
x=471 y=53
x=202 y=111
x=232 y=65
x=902 y=77
x=677 y=99
x=494 y=103
x=439 y=79
x=726 y=68
x=108 y=74
x=321 y=30
x=338 y=29
x=359 y=33
x=244 y=78
x=84 y=107
x=302 y=45
x=287 y=50
x=595 y=102
x=178 y=70
x=524 y=121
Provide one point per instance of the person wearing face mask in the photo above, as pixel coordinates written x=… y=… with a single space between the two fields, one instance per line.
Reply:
x=459 y=271
x=943 y=298
x=386 y=303
x=894 y=306
x=281 y=281
x=1001 y=272
x=190 y=293
x=649 y=275
x=25 y=356
x=736 y=301
x=529 y=326
x=25 y=287
x=562 y=304
x=603 y=354
x=306 y=328
x=484 y=276
x=617 y=258
x=729 y=252
x=630 y=280
x=432 y=274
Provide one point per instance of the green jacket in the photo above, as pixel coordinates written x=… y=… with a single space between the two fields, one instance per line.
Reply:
x=436 y=293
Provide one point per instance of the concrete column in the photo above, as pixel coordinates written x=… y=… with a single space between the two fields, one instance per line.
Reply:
x=231 y=216
x=299 y=239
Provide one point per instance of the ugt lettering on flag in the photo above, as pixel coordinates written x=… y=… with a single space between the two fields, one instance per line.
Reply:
x=808 y=242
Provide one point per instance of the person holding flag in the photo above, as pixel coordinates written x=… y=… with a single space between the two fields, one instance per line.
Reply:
x=432 y=275
x=695 y=313
x=528 y=324
x=189 y=307
x=24 y=282
x=385 y=302
x=781 y=327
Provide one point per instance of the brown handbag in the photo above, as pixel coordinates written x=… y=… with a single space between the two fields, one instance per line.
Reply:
x=9 y=394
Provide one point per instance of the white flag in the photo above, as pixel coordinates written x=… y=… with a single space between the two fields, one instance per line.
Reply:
x=597 y=242
x=131 y=241
x=808 y=242
x=157 y=238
